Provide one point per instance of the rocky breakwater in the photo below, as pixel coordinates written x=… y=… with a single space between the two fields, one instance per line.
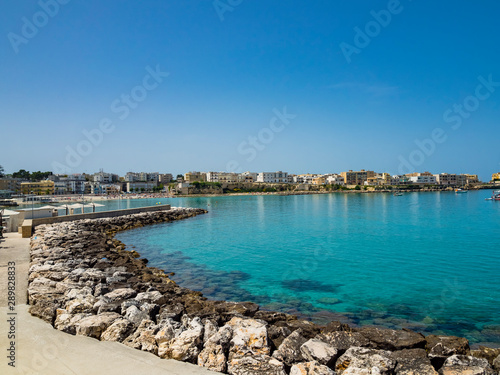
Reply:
x=84 y=282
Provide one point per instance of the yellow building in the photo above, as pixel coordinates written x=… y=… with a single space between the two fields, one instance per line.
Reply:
x=195 y=176
x=357 y=178
x=38 y=188
x=495 y=177
x=319 y=180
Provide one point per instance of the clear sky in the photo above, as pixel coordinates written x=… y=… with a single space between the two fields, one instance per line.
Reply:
x=299 y=86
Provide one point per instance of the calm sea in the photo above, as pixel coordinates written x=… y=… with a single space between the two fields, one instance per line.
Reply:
x=426 y=261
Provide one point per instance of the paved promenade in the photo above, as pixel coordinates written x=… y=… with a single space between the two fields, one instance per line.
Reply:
x=41 y=349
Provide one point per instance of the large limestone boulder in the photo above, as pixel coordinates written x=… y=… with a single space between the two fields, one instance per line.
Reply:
x=310 y=368
x=144 y=337
x=153 y=297
x=289 y=350
x=120 y=294
x=67 y=322
x=213 y=356
x=463 y=364
x=249 y=335
x=496 y=364
x=361 y=361
x=255 y=365
x=390 y=339
x=441 y=347
x=343 y=340
x=95 y=325
x=412 y=362
x=118 y=331
x=487 y=353
x=81 y=305
x=320 y=351
x=186 y=346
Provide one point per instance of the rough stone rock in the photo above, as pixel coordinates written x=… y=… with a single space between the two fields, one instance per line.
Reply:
x=289 y=350
x=461 y=370
x=412 y=362
x=249 y=335
x=211 y=329
x=237 y=308
x=44 y=308
x=153 y=297
x=136 y=315
x=170 y=311
x=76 y=293
x=186 y=346
x=118 y=331
x=144 y=337
x=367 y=361
x=463 y=364
x=120 y=294
x=67 y=322
x=310 y=368
x=336 y=326
x=320 y=351
x=487 y=353
x=496 y=364
x=213 y=357
x=390 y=339
x=342 y=340
x=168 y=329
x=255 y=365
x=81 y=305
x=95 y=325
x=276 y=335
x=441 y=347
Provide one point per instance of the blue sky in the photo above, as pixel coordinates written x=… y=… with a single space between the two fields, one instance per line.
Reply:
x=360 y=84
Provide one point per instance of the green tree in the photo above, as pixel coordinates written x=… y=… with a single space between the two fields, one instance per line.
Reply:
x=2 y=171
x=22 y=174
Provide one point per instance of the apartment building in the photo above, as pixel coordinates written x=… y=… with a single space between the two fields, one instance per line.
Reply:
x=448 y=179
x=357 y=177
x=45 y=187
x=165 y=178
x=273 y=177
x=426 y=180
x=195 y=176
x=11 y=184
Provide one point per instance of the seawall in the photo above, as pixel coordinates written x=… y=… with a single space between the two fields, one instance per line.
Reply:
x=84 y=282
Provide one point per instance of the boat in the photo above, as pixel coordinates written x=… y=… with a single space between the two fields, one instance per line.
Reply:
x=459 y=190
x=495 y=196
x=398 y=194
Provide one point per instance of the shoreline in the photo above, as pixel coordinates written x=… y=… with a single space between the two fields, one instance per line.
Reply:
x=84 y=282
x=99 y=198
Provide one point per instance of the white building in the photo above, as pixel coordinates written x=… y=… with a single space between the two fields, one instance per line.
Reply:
x=105 y=178
x=304 y=178
x=334 y=179
x=212 y=176
x=273 y=177
x=428 y=180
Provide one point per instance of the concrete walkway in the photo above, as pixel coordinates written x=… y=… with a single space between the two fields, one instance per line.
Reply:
x=41 y=349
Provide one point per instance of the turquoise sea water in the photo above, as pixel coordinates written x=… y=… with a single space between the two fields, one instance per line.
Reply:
x=426 y=261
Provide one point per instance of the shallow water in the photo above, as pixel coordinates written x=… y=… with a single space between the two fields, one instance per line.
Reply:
x=426 y=261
